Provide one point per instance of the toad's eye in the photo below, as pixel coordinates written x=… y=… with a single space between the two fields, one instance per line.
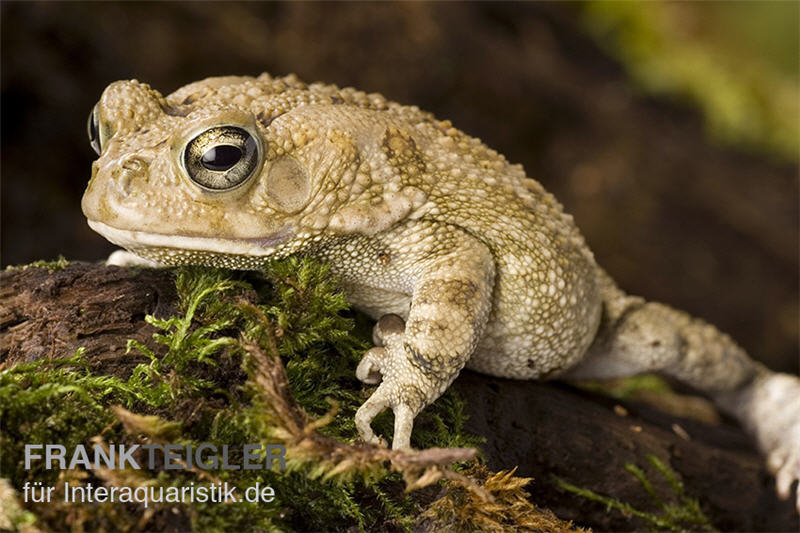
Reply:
x=93 y=129
x=221 y=158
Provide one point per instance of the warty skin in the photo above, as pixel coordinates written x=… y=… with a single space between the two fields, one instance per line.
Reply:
x=463 y=260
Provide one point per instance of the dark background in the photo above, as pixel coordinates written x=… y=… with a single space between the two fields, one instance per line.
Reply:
x=672 y=215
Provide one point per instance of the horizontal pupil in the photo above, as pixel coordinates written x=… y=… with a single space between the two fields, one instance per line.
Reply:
x=221 y=157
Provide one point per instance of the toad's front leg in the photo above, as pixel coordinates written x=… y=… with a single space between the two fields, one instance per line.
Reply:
x=415 y=362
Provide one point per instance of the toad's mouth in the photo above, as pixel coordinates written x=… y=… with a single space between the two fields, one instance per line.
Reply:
x=141 y=241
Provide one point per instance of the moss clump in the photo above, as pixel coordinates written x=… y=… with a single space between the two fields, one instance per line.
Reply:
x=629 y=388
x=506 y=509
x=213 y=379
x=56 y=264
x=685 y=515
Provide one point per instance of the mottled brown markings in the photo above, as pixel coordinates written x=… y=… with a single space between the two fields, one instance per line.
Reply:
x=434 y=366
x=396 y=143
x=425 y=327
x=416 y=357
x=384 y=258
x=401 y=150
x=455 y=291
x=413 y=396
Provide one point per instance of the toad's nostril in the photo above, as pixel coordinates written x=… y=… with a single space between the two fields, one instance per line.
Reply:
x=134 y=164
x=130 y=169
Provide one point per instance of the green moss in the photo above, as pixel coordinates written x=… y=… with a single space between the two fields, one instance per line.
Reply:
x=199 y=387
x=57 y=264
x=686 y=515
x=55 y=401
x=629 y=387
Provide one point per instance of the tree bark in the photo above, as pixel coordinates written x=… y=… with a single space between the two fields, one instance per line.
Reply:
x=548 y=430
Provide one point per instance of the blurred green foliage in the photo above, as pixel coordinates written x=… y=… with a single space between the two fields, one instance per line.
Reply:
x=737 y=61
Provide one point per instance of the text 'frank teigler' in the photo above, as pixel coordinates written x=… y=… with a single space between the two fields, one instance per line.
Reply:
x=169 y=456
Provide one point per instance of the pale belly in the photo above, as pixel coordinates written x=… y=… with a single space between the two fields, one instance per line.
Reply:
x=377 y=302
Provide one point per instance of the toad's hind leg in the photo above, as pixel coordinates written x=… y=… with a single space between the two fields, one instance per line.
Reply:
x=636 y=336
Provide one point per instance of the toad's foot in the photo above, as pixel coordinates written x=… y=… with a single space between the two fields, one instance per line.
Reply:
x=404 y=386
x=784 y=462
x=778 y=431
x=770 y=408
x=126 y=258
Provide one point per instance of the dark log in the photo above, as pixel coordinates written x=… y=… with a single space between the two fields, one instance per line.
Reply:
x=551 y=430
x=548 y=430
x=50 y=313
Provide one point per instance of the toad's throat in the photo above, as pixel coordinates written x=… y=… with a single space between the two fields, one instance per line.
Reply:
x=138 y=241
